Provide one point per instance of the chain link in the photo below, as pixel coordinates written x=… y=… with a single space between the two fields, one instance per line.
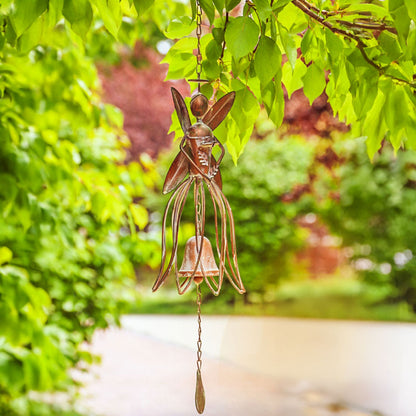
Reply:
x=199 y=342
x=198 y=37
x=198 y=211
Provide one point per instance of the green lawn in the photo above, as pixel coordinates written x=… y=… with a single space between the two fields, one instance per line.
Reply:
x=330 y=298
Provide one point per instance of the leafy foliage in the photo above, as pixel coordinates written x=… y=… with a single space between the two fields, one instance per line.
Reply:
x=69 y=205
x=361 y=55
x=375 y=215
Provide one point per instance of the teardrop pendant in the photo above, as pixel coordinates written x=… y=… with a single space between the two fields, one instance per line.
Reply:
x=199 y=393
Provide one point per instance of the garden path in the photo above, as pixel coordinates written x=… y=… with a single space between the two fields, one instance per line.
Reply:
x=148 y=367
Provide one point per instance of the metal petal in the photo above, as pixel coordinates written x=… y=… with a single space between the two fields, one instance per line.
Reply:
x=181 y=109
x=216 y=114
x=177 y=172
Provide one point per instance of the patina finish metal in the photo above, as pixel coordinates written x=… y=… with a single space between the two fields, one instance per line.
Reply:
x=196 y=167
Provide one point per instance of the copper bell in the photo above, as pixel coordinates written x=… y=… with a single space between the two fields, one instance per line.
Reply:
x=209 y=266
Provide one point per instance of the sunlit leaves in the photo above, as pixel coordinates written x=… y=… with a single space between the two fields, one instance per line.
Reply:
x=268 y=60
x=142 y=5
x=208 y=7
x=398 y=11
x=263 y=8
x=390 y=45
x=289 y=44
x=110 y=13
x=79 y=15
x=313 y=82
x=292 y=78
x=230 y=4
x=179 y=28
x=140 y=215
x=219 y=5
x=5 y=255
x=25 y=13
x=236 y=129
x=65 y=199
x=374 y=125
x=181 y=59
x=241 y=36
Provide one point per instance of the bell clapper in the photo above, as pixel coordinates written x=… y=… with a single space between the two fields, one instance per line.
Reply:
x=199 y=389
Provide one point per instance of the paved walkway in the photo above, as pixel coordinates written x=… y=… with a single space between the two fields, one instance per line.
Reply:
x=148 y=369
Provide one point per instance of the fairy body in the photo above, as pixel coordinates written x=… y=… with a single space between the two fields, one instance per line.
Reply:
x=196 y=166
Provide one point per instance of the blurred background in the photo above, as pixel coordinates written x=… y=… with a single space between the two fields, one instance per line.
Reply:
x=324 y=235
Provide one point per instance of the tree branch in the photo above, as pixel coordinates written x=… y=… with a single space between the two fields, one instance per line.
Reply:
x=312 y=11
x=223 y=43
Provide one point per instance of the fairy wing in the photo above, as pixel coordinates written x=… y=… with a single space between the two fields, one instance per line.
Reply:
x=181 y=109
x=216 y=114
x=176 y=173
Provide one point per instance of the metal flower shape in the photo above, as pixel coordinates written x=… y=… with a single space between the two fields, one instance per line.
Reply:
x=196 y=166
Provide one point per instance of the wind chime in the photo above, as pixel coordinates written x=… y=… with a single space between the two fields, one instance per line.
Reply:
x=196 y=163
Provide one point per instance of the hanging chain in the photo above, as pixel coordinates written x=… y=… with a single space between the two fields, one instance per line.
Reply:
x=198 y=211
x=199 y=342
x=198 y=53
x=198 y=37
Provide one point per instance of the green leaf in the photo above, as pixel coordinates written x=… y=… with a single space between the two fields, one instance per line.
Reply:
x=268 y=60
x=32 y=36
x=313 y=82
x=244 y=113
x=377 y=10
x=241 y=36
x=263 y=8
x=180 y=58
x=365 y=95
x=110 y=12
x=334 y=45
x=213 y=51
x=398 y=11
x=230 y=4
x=289 y=44
x=218 y=34
x=55 y=11
x=292 y=79
x=209 y=8
x=411 y=9
x=79 y=15
x=211 y=69
x=396 y=102
x=374 y=125
x=278 y=110
x=193 y=8
x=142 y=5
x=290 y=16
x=219 y=5
x=390 y=45
x=25 y=13
x=178 y=28
x=140 y=215
x=5 y=255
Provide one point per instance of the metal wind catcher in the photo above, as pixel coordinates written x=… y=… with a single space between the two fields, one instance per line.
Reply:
x=196 y=169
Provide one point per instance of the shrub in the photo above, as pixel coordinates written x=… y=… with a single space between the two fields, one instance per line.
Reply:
x=375 y=215
x=68 y=240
